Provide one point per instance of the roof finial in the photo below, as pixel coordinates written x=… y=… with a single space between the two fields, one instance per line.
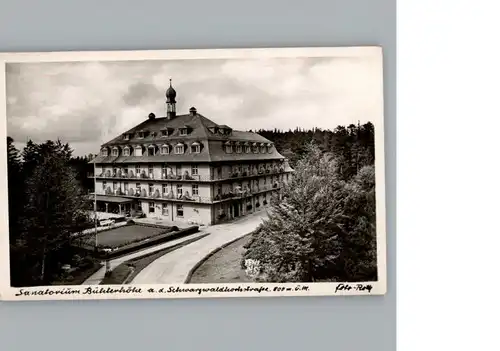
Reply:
x=170 y=81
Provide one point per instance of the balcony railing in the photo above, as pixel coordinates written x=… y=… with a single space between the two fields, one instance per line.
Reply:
x=186 y=196
x=186 y=176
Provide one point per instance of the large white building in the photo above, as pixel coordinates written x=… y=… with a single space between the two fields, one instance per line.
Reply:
x=187 y=168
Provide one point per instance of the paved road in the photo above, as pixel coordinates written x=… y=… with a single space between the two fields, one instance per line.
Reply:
x=97 y=277
x=174 y=267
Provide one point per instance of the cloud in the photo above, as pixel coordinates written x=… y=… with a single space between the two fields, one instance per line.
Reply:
x=88 y=103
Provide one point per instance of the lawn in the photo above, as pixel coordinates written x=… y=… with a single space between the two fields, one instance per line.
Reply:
x=130 y=233
x=224 y=266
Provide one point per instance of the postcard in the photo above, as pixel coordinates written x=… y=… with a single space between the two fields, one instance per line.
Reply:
x=192 y=174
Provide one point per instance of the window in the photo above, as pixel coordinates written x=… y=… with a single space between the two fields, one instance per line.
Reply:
x=164 y=133
x=151 y=188
x=195 y=147
x=255 y=149
x=151 y=150
x=125 y=186
x=247 y=149
x=138 y=187
x=195 y=189
x=126 y=137
x=165 y=189
x=238 y=149
x=164 y=170
x=179 y=149
x=219 y=189
x=178 y=170
x=179 y=190
x=164 y=209
x=115 y=184
x=140 y=135
x=194 y=169
x=138 y=151
x=137 y=170
x=164 y=149
x=151 y=207
x=126 y=151
x=180 y=210
x=263 y=149
x=104 y=152
x=228 y=148
x=150 y=171
x=125 y=171
x=183 y=131
x=104 y=186
x=115 y=151
x=269 y=148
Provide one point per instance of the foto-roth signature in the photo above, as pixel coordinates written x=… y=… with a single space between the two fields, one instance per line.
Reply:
x=355 y=287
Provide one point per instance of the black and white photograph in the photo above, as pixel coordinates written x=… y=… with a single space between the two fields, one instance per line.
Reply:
x=193 y=173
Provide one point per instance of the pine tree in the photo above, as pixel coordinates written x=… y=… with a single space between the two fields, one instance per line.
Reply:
x=322 y=228
x=55 y=208
x=299 y=241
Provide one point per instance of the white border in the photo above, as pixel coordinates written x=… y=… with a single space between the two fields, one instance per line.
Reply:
x=208 y=290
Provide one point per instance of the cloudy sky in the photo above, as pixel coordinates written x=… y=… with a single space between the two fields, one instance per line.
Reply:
x=88 y=103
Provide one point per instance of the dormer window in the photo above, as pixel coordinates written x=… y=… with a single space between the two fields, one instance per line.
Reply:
x=153 y=134
x=126 y=151
x=165 y=149
x=164 y=133
x=213 y=130
x=255 y=147
x=247 y=148
x=184 y=130
x=263 y=148
x=104 y=152
x=238 y=148
x=126 y=137
x=228 y=147
x=115 y=151
x=140 y=135
x=195 y=147
x=151 y=150
x=138 y=151
x=269 y=148
x=179 y=148
x=221 y=131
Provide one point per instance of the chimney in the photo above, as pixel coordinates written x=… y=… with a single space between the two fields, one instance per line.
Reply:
x=192 y=111
x=151 y=116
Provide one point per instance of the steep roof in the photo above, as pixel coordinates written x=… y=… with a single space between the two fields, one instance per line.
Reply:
x=211 y=143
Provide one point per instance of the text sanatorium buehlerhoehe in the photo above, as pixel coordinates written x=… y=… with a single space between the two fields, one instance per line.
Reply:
x=176 y=290
x=168 y=290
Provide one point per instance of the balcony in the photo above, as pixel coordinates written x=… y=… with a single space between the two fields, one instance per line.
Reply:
x=186 y=176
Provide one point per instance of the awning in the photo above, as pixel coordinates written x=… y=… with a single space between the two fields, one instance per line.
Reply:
x=112 y=199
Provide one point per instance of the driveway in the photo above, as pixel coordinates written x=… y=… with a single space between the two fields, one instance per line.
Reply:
x=174 y=267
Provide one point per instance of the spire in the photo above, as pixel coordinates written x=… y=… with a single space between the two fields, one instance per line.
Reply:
x=171 y=95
